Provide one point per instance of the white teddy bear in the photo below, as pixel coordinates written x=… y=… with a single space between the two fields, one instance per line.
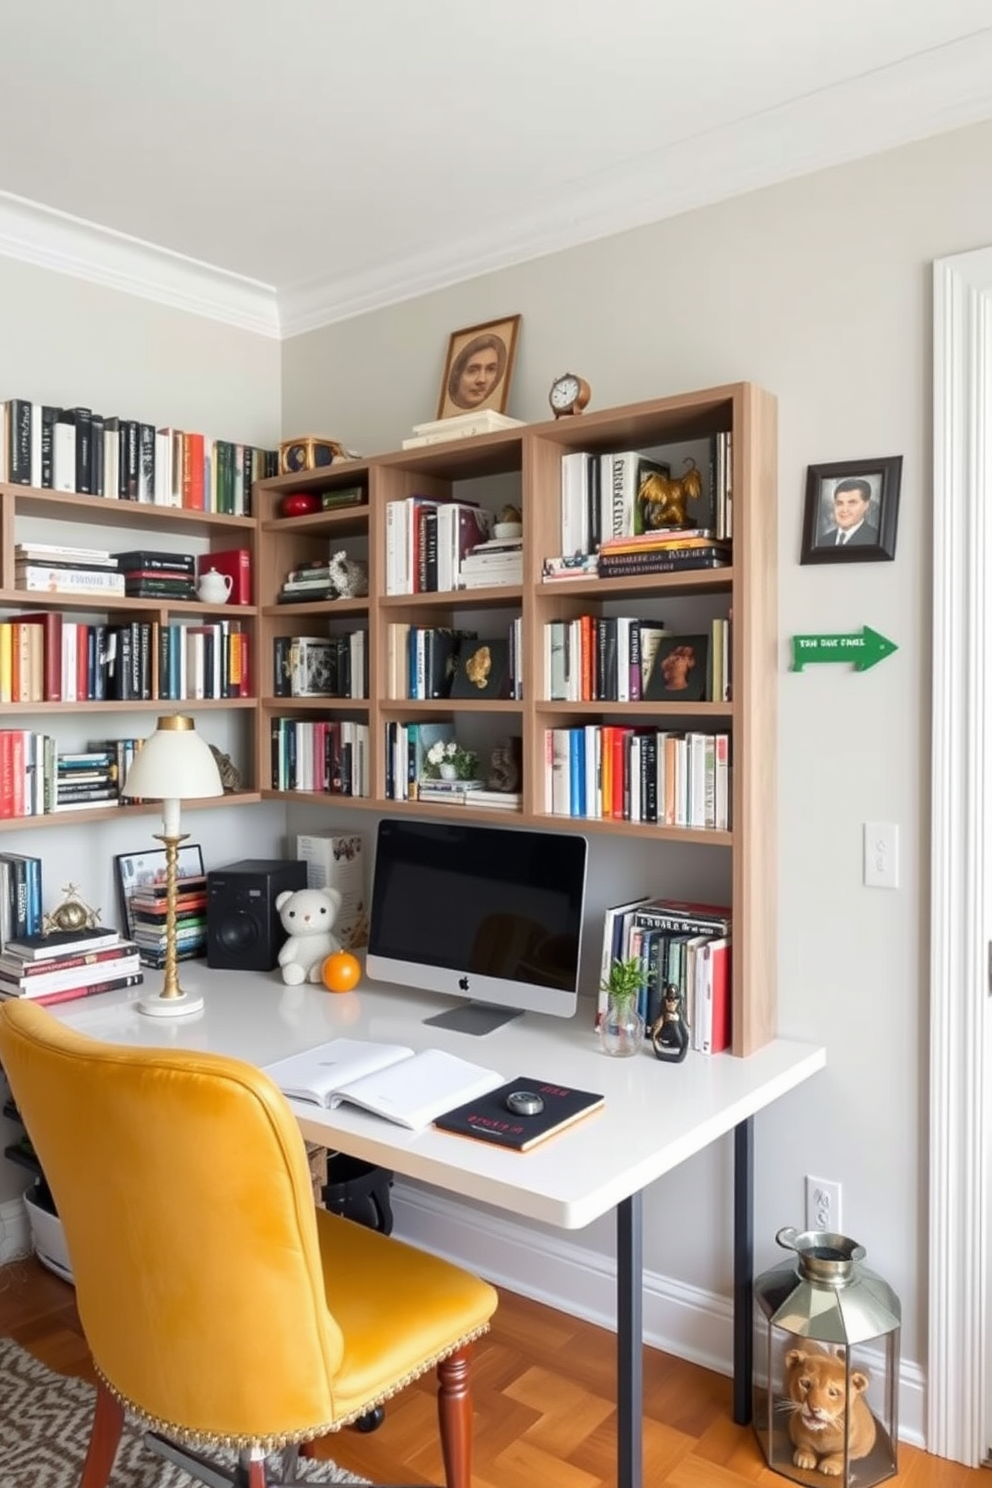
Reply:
x=308 y=917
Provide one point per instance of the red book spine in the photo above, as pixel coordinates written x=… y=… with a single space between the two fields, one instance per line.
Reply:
x=70 y=994
x=721 y=999
x=619 y=772
x=193 y=452
x=6 y=772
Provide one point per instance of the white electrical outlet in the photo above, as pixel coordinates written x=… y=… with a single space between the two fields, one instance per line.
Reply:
x=881 y=855
x=822 y=1205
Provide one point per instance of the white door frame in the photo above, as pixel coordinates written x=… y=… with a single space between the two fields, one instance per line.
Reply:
x=959 y=1418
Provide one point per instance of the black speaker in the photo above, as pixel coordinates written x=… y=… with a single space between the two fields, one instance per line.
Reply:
x=243 y=928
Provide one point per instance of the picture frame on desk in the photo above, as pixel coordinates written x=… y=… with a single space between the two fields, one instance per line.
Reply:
x=146 y=870
x=851 y=511
x=479 y=367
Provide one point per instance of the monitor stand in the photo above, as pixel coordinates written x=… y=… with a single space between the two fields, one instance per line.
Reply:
x=474 y=1017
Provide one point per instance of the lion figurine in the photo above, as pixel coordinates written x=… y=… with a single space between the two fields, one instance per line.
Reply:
x=478 y=666
x=814 y=1387
x=664 y=500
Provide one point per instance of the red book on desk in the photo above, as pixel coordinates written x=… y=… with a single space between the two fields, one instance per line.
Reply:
x=489 y=1120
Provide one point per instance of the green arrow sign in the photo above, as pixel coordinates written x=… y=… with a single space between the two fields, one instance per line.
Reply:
x=864 y=648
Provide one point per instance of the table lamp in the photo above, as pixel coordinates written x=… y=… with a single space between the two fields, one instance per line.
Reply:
x=174 y=764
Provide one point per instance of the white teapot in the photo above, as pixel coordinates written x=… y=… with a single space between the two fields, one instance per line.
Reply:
x=214 y=587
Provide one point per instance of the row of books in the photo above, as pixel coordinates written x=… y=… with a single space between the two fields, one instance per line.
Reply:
x=668 y=777
x=66 y=965
x=45 y=657
x=37 y=778
x=624 y=493
x=20 y=896
x=321 y=666
x=137 y=574
x=678 y=943
x=425 y=662
x=83 y=452
x=330 y=756
x=428 y=540
x=601 y=658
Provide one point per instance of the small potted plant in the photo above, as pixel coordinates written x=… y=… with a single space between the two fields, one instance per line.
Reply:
x=621 y=1031
x=449 y=761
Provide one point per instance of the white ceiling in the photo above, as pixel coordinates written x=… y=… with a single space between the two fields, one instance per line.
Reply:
x=286 y=163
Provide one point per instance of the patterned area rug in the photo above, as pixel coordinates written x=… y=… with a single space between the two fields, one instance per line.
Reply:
x=44 y=1429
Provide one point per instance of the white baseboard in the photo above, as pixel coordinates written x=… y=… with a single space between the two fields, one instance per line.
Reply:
x=15 y=1232
x=681 y=1320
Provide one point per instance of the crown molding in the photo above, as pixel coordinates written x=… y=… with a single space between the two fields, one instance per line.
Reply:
x=928 y=94
x=69 y=245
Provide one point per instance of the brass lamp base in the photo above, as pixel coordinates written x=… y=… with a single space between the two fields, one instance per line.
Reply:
x=172 y=1001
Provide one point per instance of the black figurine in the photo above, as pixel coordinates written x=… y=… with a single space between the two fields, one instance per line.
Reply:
x=670 y=1034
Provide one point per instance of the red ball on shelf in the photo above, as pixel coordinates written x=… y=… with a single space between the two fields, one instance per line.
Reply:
x=299 y=504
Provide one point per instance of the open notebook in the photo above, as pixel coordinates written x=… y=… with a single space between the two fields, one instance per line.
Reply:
x=391 y=1080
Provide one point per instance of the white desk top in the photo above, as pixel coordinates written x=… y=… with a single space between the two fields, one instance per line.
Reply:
x=656 y=1115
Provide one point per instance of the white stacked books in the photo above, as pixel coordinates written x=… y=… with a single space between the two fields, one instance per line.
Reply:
x=336 y=860
x=63 y=569
x=498 y=561
x=460 y=426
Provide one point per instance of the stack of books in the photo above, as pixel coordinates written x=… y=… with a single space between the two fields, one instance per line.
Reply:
x=68 y=964
x=460 y=426
x=155 y=575
x=56 y=568
x=500 y=560
x=666 y=550
x=147 y=907
x=311 y=580
x=88 y=777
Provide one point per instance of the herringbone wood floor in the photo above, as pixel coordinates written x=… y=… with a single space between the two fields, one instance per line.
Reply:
x=543 y=1386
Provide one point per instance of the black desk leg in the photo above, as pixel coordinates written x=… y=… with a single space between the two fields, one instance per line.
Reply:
x=743 y=1269
x=630 y=1343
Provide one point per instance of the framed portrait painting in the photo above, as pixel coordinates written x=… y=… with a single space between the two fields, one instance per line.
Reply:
x=478 y=367
x=851 y=512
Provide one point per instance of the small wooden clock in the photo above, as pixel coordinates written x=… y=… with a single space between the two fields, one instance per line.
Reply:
x=569 y=394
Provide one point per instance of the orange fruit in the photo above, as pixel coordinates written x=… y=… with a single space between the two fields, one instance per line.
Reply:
x=341 y=972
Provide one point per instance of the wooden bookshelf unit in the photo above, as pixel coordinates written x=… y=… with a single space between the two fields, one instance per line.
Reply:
x=520 y=466
x=523 y=466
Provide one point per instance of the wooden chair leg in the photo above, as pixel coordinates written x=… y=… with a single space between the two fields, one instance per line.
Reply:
x=454 y=1412
x=105 y=1436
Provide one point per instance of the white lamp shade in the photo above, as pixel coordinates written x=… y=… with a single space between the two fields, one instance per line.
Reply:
x=175 y=763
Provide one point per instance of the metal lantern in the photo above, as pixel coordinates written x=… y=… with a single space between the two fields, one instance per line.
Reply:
x=827 y=1363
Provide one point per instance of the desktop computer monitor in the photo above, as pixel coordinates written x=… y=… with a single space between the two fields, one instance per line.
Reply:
x=491 y=914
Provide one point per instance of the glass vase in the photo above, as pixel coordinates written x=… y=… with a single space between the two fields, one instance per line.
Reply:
x=621 y=1031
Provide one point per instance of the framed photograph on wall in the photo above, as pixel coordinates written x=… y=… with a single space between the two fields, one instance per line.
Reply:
x=479 y=367
x=851 y=513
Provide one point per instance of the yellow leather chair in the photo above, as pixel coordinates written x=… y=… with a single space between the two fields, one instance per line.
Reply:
x=221 y=1307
